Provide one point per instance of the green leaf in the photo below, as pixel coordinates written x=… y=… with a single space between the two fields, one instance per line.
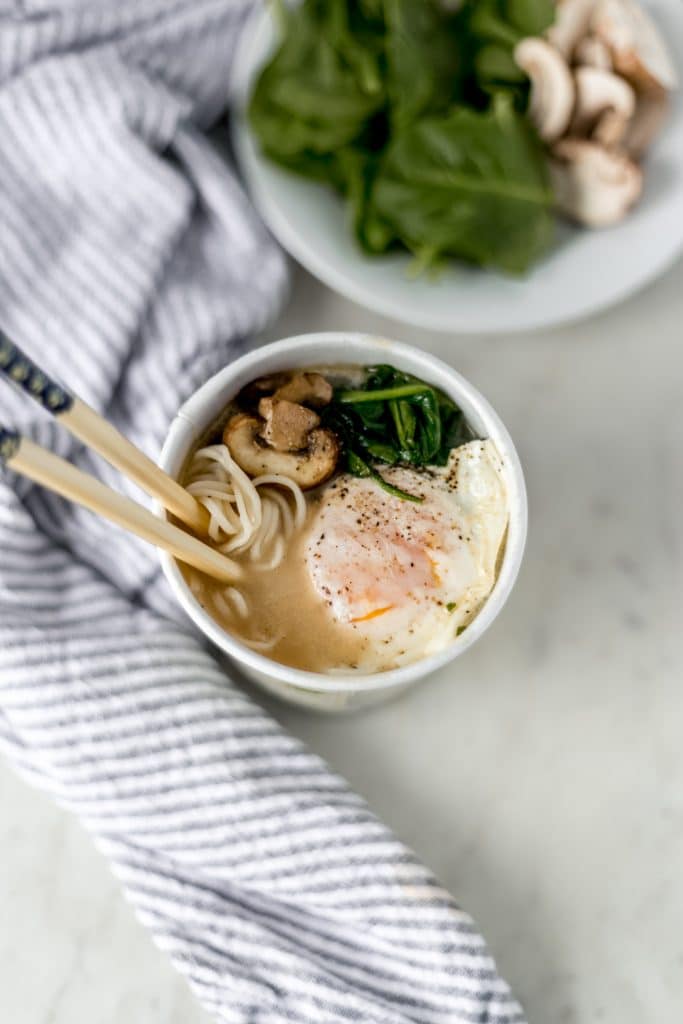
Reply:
x=454 y=432
x=383 y=452
x=530 y=17
x=507 y=21
x=396 y=492
x=360 y=94
x=317 y=93
x=488 y=22
x=470 y=184
x=405 y=423
x=495 y=63
x=394 y=419
x=359 y=467
x=374 y=396
x=430 y=433
x=494 y=28
x=423 y=58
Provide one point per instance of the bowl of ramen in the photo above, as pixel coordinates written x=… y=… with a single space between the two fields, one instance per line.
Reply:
x=373 y=504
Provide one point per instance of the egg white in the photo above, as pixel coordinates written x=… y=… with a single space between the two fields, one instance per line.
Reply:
x=408 y=577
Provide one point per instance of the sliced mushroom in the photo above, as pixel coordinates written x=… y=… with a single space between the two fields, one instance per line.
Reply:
x=552 y=86
x=646 y=123
x=251 y=394
x=287 y=424
x=593 y=53
x=307 y=389
x=571 y=23
x=605 y=104
x=637 y=48
x=310 y=467
x=593 y=185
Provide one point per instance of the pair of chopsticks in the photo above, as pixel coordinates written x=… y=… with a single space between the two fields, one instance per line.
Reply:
x=45 y=468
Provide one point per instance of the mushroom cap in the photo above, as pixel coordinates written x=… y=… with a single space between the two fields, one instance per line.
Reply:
x=593 y=185
x=638 y=50
x=552 y=86
x=572 y=19
x=308 y=468
x=605 y=103
x=306 y=388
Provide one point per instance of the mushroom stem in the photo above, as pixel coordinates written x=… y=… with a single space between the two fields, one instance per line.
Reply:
x=552 y=86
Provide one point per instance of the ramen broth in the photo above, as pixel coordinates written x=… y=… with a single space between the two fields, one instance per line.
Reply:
x=284 y=605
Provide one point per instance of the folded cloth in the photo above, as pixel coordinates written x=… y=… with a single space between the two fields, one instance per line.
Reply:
x=132 y=267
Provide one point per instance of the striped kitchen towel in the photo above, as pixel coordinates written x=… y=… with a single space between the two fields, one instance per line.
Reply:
x=132 y=267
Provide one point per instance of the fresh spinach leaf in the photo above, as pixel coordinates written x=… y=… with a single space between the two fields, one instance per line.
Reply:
x=408 y=110
x=494 y=27
x=468 y=184
x=319 y=90
x=530 y=17
x=495 y=63
x=507 y=21
x=424 y=64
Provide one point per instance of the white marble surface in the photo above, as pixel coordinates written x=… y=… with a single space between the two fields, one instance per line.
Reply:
x=541 y=776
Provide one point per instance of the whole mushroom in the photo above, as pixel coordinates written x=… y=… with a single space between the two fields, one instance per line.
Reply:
x=308 y=467
x=621 y=73
x=592 y=185
x=309 y=388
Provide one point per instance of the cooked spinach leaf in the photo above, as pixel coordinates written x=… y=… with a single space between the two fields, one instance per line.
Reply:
x=395 y=419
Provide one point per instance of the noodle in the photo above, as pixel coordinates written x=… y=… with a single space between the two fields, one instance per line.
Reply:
x=254 y=517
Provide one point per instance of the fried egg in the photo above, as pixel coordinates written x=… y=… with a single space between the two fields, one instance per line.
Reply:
x=407 y=577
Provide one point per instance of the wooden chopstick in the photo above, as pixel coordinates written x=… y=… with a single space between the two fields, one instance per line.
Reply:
x=45 y=468
x=100 y=435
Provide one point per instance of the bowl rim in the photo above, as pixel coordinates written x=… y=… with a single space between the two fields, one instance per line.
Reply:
x=192 y=418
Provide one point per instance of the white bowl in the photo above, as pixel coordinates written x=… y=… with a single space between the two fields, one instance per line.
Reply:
x=313 y=689
x=585 y=271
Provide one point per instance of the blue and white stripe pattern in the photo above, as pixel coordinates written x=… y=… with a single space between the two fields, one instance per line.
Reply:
x=131 y=267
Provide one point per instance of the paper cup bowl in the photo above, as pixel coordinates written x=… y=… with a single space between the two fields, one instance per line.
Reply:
x=313 y=689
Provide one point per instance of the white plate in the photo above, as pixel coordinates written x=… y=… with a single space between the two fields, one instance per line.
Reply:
x=586 y=271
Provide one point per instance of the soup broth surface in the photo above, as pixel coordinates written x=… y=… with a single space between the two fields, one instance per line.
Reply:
x=285 y=605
